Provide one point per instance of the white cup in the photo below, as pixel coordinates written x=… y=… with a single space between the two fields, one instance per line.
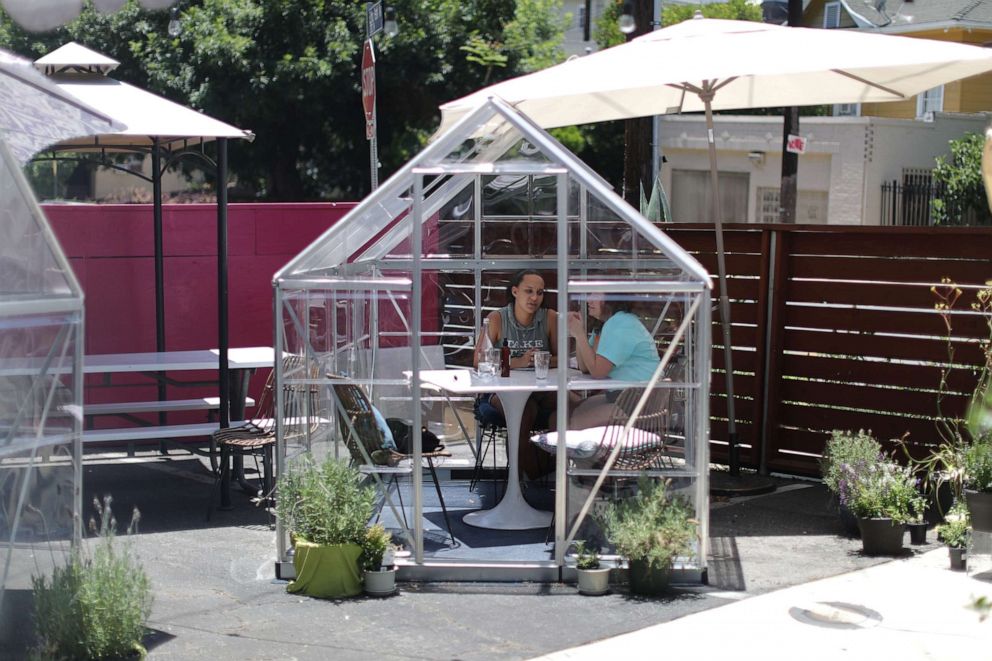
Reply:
x=542 y=363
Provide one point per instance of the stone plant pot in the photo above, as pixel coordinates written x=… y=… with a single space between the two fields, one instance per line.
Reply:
x=881 y=536
x=959 y=557
x=980 y=508
x=380 y=583
x=594 y=582
x=647 y=580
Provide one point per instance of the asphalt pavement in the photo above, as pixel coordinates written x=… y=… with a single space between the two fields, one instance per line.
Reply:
x=216 y=596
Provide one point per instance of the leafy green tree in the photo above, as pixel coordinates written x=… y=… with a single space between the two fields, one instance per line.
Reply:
x=289 y=71
x=960 y=192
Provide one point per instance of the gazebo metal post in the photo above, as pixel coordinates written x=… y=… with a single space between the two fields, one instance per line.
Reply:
x=222 y=327
x=159 y=265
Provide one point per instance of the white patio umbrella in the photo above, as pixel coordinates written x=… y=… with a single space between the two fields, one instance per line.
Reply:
x=708 y=64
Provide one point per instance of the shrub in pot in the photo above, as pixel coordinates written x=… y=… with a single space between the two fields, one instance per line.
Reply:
x=326 y=509
x=593 y=578
x=881 y=494
x=844 y=448
x=651 y=529
x=97 y=605
x=977 y=465
x=379 y=572
x=955 y=532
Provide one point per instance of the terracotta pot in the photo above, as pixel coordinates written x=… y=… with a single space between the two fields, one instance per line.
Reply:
x=881 y=536
x=594 y=582
x=980 y=508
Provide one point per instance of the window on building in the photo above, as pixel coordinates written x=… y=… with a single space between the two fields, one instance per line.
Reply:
x=929 y=102
x=831 y=15
x=811 y=207
x=693 y=203
x=847 y=110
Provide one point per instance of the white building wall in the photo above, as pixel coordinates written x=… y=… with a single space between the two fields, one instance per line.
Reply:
x=847 y=157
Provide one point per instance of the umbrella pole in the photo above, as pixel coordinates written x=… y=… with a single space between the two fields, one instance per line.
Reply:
x=707 y=98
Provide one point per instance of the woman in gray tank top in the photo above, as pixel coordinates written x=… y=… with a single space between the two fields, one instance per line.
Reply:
x=528 y=327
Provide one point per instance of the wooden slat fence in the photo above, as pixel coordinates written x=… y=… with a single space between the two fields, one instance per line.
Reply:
x=835 y=328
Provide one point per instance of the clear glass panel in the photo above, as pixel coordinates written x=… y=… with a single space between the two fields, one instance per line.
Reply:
x=40 y=412
x=31 y=267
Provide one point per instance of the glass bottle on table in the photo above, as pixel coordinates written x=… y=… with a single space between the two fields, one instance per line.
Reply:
x=484 y=359
x=504 y=358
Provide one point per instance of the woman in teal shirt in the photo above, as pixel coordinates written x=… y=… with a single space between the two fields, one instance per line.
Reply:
x=622 y=350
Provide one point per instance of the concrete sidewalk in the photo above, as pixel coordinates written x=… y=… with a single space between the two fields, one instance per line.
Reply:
x=911 y=608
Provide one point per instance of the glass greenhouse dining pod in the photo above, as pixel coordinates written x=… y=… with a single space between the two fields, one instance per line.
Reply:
x=386 y=306
x=41 y=386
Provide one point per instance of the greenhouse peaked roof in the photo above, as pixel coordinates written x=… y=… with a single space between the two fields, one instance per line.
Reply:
x=494 y=139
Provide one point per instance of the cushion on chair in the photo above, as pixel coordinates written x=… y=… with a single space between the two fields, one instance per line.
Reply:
x=588 y=444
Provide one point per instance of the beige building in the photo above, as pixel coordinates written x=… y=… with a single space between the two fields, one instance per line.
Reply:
x=847 y=161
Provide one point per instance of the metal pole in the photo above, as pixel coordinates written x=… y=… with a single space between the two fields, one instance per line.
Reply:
x=790 y=126
x=223 y=339
x=374 y=140
x=159 y=269
x=707 y=98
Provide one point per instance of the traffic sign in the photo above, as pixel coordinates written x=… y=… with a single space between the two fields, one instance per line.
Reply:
x=374 y=18
x=368 y=86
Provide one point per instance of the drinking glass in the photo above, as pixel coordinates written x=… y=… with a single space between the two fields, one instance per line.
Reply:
x=542 y=363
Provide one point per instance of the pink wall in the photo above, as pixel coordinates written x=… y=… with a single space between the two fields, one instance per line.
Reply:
x=111 y=248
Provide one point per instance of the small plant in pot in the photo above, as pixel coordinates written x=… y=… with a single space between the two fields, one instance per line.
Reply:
x=377 y=562
x=917 y=524
x=955 y=532
x=326 y=509
x=593 y=578
x=881 y=494
x=651 y=530
x=846 y=448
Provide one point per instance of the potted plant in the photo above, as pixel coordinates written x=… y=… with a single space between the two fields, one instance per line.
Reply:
x=377 y=562
x=846 y=447
x=594 y=579
x=881 y=494
x=651 y=529
x=955 y=533
x=917 y=524
x=327 y=510
x=977 y=466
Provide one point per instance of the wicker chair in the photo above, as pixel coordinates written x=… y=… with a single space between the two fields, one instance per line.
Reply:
x=257 y=437
x=365 y=443
x=644 y=448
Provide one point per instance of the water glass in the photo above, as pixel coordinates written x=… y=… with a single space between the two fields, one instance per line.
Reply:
x=489 y=363
x=542 y=363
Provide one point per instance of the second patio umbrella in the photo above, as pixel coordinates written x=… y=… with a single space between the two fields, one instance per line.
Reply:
x=708 y=64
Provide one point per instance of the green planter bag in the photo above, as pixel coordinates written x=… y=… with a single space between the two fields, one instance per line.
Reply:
x=327 y=572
